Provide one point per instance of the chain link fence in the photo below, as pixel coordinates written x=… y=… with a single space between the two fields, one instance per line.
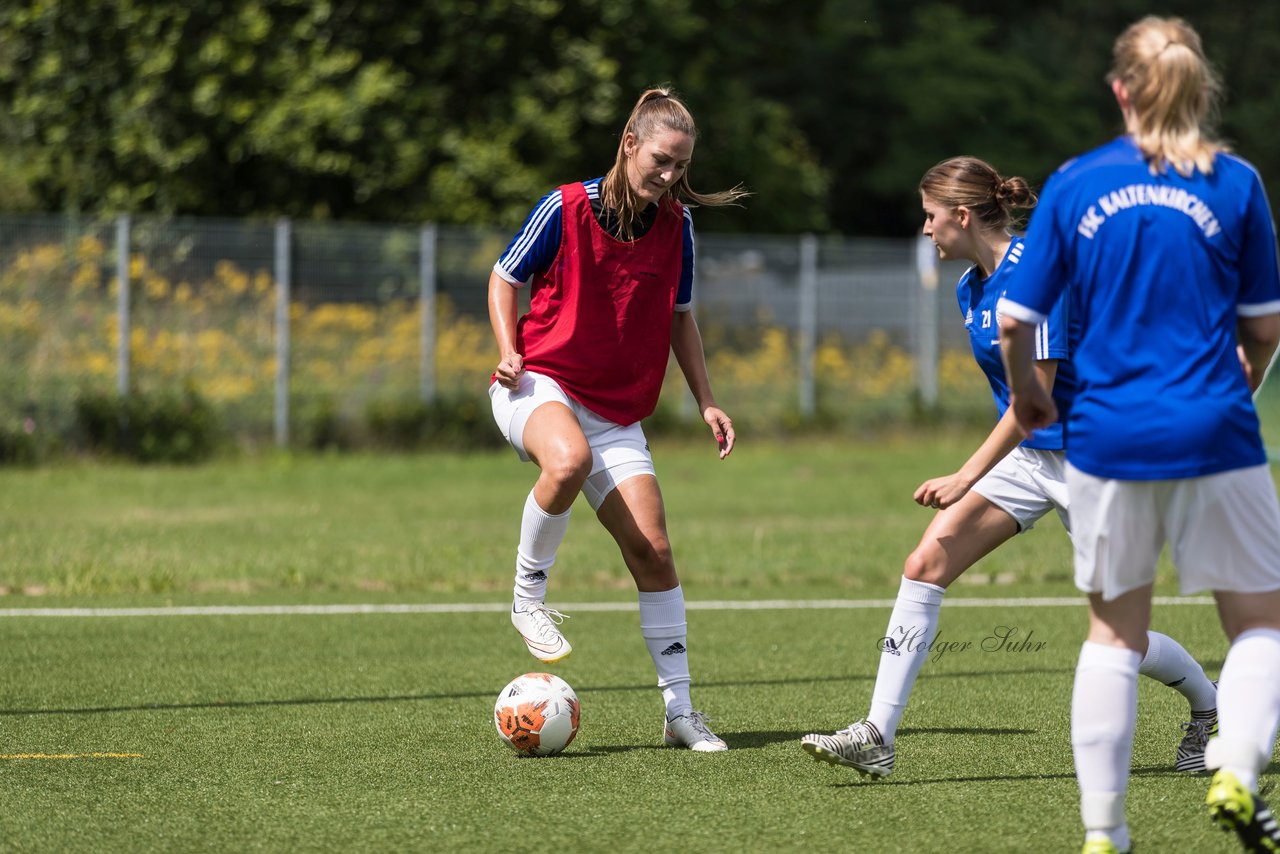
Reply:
x=287 y=327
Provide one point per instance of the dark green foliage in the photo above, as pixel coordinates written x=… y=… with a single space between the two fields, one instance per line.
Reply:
x=668 y=420
x=162 y=427
x=319 y=426
x=18 y=446
x=456 y=422
x=462 y=112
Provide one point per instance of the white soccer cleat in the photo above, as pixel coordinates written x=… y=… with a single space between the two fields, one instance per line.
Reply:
x=1190 y=756
x=691 y=731
x=859 y=746
x=537 y=624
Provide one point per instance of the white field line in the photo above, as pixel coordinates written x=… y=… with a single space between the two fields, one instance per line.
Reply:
x=499 y=607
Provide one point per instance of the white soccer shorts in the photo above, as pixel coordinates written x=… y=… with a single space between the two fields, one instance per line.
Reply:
x=1027 y=484
x=617 y=452
x=1223 y=531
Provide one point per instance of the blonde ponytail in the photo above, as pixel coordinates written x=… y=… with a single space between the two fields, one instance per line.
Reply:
x=1172 y=91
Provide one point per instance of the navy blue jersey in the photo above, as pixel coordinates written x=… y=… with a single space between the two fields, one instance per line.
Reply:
x=535 y=246
x=1160 y=268
x=977 y=297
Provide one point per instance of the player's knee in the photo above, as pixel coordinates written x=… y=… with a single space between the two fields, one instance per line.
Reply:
x=658 y=552
x=568 y=467
x=925 y=564
x=652 y=556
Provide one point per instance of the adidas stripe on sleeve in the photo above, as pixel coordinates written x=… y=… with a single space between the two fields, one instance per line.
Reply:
x=535 y=246
x=684 y=294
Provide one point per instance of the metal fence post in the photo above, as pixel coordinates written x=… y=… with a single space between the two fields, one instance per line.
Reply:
x=427 y=240
x=283 y=249
x=808 y=322
x=927 y=322
x=122 y=304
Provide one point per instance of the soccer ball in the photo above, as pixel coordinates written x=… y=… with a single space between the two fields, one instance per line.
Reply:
x=537 y=714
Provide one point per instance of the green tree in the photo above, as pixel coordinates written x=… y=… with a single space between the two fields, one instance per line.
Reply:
x=455 y=110
x=466 y=111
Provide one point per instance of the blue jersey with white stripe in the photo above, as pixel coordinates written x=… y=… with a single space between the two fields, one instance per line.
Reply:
x=1160 y=268
x=537 y=243
x=977 y=297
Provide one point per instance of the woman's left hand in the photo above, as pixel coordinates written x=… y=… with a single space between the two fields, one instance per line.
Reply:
x=941 y=492
x=721 y=428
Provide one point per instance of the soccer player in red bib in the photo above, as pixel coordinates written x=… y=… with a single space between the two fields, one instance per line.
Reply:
x=611 y=266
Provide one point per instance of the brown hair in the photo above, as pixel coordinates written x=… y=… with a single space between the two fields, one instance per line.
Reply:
x=1172 y=91
x=976 y=185
x=658 y=109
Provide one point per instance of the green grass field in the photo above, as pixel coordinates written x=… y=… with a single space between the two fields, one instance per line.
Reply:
x=333 y=732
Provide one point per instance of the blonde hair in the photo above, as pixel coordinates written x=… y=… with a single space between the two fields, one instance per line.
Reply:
x=657 y=110
x=975 y=184
x=1172 y=93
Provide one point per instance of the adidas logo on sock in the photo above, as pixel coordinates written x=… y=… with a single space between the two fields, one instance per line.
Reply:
x=537 y=575
x=676 y=648
x=887 y=645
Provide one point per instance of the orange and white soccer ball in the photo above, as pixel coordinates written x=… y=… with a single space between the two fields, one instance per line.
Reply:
x=537 y=714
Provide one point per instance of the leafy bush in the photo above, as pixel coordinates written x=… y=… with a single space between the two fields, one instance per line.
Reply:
x=21 y=445
x=320 y=426
x=162 y=427
x=454 y=422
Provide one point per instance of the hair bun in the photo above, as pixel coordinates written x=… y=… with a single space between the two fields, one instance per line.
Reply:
x=1015 y=193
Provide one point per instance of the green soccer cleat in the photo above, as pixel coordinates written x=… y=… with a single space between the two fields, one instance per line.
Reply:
x=1233 y=807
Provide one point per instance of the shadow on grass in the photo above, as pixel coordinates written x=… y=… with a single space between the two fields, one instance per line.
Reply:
x=487 y=694
x=754 y=740
x=574 y=753
x=1150 y=771
x=764 y=738
x=970 y=730
x=868 y=780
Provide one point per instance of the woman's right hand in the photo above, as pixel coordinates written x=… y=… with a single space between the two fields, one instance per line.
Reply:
x=509 y=371
x=1033 y=407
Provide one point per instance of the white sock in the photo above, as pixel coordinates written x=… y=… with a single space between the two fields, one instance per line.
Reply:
x=663 y=627
x=1248 y=706
x=540 y=537
x=912 y=627
x=1104 y=710
x=1167 y=662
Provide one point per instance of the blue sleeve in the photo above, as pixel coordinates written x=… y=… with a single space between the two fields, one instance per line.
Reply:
x=1040 y=279
x=535 y=246
x=1051 y=336
x=1259 y=278
x=684 y=294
